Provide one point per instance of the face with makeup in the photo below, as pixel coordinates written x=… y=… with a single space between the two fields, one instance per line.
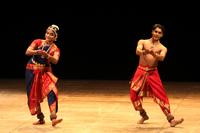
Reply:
x=51 y=33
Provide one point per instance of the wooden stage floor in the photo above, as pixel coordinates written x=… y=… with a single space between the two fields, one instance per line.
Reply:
x=99 y=106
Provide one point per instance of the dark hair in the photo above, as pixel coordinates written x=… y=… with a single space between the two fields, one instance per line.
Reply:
x=159 y=26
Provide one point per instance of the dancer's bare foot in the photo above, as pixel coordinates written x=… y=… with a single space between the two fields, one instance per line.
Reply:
x=39 y=122
x=56 y=121
x=141 y=121
x=174 y=122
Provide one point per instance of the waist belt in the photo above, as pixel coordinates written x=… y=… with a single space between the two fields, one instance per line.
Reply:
x=36 y=67
x=147 y=68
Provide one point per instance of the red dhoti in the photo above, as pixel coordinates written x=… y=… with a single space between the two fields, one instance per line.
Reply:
x=146 y=82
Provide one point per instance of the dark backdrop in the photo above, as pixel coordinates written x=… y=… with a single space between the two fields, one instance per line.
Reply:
x=99 y=43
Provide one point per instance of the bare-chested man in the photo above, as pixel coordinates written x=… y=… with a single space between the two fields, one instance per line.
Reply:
x=146 y=80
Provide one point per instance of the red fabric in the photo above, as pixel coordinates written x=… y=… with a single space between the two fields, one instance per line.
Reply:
x=38 y=42
x=148 y=83
x=36 y=93
x=43 y=83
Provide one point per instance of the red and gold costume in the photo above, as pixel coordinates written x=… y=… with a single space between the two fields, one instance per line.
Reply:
x=40 y=81
x=146 y=82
